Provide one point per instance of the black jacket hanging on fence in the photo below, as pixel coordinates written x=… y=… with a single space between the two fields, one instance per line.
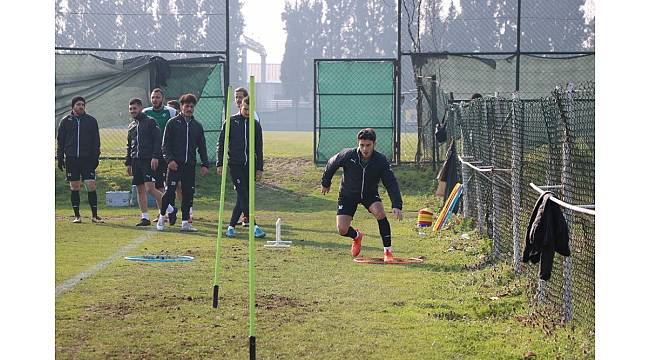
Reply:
x=449 y=172
x=546 y=234
x=441 y=130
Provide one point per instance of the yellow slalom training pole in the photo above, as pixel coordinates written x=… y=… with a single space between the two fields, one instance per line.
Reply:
x=224 y=179
x=251 y=220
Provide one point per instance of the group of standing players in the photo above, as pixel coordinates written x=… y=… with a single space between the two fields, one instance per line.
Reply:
x=162 y=143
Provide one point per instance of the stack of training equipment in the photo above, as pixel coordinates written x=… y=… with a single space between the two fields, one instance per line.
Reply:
x=447 y=207
x=425 y=219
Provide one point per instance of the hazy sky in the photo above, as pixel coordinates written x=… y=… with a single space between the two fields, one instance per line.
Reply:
x=264 y=24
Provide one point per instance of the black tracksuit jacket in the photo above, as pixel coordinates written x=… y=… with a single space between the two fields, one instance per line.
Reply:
x=143 y=140
x=78 y=136
x=547 y=233
x=361 y=181
x=182 y=139
x=238 y=143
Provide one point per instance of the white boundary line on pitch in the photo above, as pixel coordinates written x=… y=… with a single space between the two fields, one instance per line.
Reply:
x=73 y=281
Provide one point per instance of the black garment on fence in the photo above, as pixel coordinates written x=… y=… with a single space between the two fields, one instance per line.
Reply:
x=546 y=234
x=449 y=172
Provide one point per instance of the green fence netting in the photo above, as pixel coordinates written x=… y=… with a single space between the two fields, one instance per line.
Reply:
x=108 y=84
x=351 y=95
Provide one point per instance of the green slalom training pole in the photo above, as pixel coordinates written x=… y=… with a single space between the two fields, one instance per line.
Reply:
x=251 y=220
x=217 y=265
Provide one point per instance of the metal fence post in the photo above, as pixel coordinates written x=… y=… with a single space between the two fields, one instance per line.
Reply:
x=467 y=195
x=516 y=174
x=480 y=211
x=496 y=193
x=567 y=118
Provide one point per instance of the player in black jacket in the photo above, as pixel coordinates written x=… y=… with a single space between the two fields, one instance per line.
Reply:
x=78 y=151
x=142 y=157
x=238 y=162
x=363 y=167
x=183 y=136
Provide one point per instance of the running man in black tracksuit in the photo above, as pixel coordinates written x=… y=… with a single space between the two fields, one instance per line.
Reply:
x=78 y=151
x=238 y=162
x=183 y=136
x=142 y=157
x=363 y=167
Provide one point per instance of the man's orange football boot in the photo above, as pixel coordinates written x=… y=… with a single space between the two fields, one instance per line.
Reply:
x=388 y=256
x=356 y=244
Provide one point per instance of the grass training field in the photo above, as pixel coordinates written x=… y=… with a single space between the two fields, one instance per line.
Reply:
x=313 y=301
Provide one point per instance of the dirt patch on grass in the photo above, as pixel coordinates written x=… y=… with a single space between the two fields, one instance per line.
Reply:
x=544 y=317
x=117 y=310
x=275 y=301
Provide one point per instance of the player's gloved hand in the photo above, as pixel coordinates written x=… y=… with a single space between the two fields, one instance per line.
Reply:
x=61 y=164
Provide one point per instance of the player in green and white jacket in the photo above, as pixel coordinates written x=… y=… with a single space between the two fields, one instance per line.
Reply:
x=161 y=113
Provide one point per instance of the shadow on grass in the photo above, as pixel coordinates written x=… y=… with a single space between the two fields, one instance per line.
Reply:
x=437 y=267
x=343 y=245
x=108 y=224
x=287 y=234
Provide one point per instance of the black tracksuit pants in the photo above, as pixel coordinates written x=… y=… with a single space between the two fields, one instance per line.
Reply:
x=239 y=176
x=186 y=174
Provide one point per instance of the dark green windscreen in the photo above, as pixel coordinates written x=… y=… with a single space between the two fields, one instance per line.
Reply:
x=352 y=95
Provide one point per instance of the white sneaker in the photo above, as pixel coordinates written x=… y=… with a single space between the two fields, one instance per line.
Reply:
x=160 y=225
x=188 y=227
x=230 y=231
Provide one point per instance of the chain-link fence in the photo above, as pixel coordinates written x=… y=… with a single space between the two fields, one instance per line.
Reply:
x=492 y=26
x=108 y=79
x=177 y=26
x=440 y=77
x=351 y=94
x=511 y=149
x=466 y=47
x=111 y=51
